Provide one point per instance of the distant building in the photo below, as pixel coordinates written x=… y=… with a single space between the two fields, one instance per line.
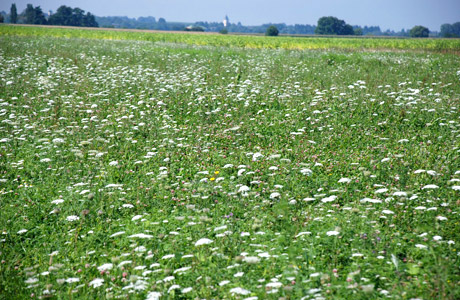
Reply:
x=226 y=21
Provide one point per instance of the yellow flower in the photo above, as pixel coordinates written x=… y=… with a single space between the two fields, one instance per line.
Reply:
x=212 y=179
x=216 y=172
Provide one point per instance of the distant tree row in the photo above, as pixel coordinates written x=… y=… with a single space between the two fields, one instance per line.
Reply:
x=140 y=23
x=64 y=15
x=450 y=30
x=68 y=16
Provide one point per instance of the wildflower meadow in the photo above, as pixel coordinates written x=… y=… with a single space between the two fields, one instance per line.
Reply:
x=160 y=169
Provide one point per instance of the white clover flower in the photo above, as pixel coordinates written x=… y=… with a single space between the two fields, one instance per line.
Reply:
x=344 y=180
x=182 y=270
x=368 y=200
x=251 y=259
x=430 y=186
x=222 y=283
x=333 y=232
x=306 y=171
x=239 y=291
x=137 y=217
x=105 y=267
x=380 y=191
x=72 y=218
x=400 y=194
x=96 y=282
x=173 y=287
x=141 y=236
x=256 y=156
x=203 y=241
x=117 y=233
x=243 y=189
x=303 y=233
x=31 y=280
x=153 y=296
x=58 y=141
x=329 y=199
x=274 y=195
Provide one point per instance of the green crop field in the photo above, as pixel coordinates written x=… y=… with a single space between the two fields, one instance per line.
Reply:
x=178 y=166
x=239 y=41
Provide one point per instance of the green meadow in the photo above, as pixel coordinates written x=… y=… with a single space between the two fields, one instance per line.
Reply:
x=143 y=165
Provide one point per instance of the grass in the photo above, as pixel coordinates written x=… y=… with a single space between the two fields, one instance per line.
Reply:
x=134 y=169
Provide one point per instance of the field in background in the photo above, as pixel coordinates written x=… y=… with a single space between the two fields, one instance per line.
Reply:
x=180 y=170
x=242 y=41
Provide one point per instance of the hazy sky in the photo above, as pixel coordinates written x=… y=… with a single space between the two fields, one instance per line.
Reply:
x=388 y=14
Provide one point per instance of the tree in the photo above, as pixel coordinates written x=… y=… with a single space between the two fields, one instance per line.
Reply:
x=39 y=17
x=358 y=31
x=347 y=30
x=89 y=20
x=1 y=18
x=447 y=30
x=332 y=25
x=161 y=24
x=272 y=31
x=33 y=15
x=63 y=16
x=13 y=14
x=419 y=32
x=29 y=14
x=456 y=27
x=450 y=30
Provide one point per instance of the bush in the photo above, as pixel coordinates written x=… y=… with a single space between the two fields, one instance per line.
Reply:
x=224 y=31
x=272 y=31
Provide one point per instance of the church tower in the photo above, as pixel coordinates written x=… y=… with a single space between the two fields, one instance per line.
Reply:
x=226 y=21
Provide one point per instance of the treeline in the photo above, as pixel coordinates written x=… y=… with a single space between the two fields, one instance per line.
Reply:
x=140 y=23
x=161 y=24
x=64 y=16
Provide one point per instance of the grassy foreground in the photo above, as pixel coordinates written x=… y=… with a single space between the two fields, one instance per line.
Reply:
x=140 y=170
x=254 y=42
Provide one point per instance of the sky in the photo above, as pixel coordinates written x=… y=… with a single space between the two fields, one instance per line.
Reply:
x=388 y=14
